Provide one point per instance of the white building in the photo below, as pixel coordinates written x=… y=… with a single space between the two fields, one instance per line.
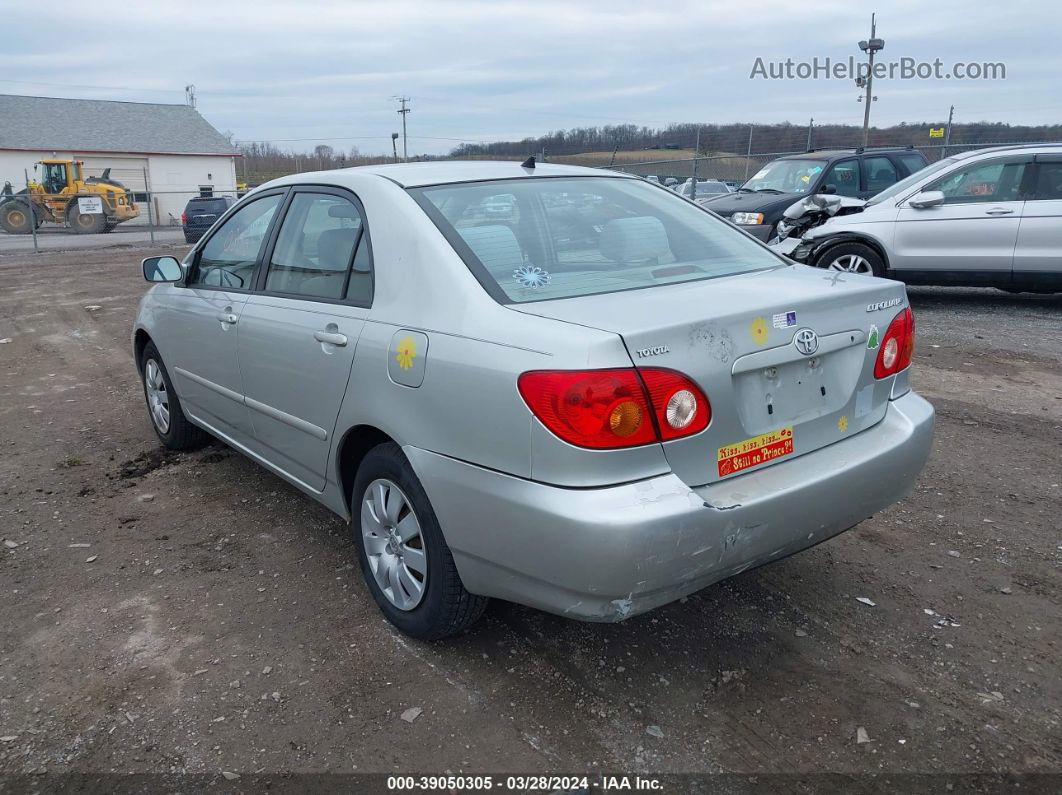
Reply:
x=168 y=149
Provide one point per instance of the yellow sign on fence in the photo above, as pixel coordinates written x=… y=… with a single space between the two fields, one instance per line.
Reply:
x=936 y=132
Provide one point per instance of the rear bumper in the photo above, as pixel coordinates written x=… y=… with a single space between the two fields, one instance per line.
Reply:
x=609 y=553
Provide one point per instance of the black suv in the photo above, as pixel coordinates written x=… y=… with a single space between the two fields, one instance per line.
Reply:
x=758 y=204
x=201 y=213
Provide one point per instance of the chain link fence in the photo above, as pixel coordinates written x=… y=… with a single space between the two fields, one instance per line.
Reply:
x=65 y=204
x=738 y=168
x=174 y=215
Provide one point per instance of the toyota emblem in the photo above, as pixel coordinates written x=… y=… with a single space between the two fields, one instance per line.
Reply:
x=806 y=341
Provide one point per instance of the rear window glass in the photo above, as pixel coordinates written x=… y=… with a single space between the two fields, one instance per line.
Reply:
x=539 y=239
x=207 y=205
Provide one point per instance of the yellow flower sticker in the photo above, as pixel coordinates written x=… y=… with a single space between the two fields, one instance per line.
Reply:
x=406 y=352
x=758 y=330
x=842 y=424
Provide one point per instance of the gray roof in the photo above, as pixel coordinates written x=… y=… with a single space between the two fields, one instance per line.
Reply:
x=94 y=125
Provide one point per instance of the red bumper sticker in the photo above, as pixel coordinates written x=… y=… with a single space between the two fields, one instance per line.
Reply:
x=755 y=451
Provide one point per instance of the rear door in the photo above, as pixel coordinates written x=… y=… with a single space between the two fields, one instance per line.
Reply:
x=974 y=232
x=879 y=173
x=299 y=331
x=912 y=161
x=1038 y=254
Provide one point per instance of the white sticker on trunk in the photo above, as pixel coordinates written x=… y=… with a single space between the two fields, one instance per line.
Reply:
x=90 y=205
x=783 y=319
x=864 y=401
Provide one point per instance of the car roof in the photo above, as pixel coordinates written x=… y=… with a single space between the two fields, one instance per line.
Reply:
x=1051 y=147
x=440 y=172
x=816 y=154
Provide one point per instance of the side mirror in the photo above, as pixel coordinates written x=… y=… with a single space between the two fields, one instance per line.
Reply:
x=929 y=198
x=162 y=269
x=829 y=190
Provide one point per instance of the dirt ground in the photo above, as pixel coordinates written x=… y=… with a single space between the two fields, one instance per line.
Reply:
x=193 y=614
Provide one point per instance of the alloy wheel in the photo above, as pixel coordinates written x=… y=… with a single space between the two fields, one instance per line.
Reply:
x=158 y=397
x=394 y=544
x=851 y=263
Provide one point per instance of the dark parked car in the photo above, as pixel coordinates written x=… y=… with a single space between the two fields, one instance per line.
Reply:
x=201 y=213
x=757 y=206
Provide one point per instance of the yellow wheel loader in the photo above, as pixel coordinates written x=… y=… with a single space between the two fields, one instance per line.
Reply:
x=64 y=196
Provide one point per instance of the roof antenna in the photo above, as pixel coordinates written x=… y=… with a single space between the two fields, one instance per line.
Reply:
x=529 y=163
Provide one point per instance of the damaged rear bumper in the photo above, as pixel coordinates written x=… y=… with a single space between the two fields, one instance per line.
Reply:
x=604 y=554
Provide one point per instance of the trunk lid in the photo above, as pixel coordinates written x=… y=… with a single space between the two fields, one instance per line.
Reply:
x=736 y=337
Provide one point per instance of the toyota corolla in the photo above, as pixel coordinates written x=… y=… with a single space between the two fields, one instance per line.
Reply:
x=595 y=403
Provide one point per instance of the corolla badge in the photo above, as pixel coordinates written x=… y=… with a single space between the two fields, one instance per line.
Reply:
x=806 y=341
x=883 y=304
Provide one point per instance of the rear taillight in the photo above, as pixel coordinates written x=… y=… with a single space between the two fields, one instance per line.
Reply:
x=897 y=346
x=680 y=407
x=184 y=219
x=609 y=409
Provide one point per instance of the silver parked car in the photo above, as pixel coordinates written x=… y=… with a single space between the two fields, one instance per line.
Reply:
x=989 y=218
x=607 y=400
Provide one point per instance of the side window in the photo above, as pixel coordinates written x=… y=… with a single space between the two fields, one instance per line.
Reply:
x=843 y=177
x=913 y=162
x=1049 y=182
x=881 y=173
x=994 y=181
x=229 y=256
x=318 y=240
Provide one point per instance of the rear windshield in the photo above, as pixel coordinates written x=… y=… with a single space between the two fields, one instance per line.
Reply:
x=207 y=205
x=539 y=239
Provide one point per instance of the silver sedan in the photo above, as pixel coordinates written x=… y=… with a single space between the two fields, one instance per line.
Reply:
x=594 y=403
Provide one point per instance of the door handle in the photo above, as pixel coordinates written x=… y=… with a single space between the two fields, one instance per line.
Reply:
x=338 y=340
x=998 y=211
x=226 y=317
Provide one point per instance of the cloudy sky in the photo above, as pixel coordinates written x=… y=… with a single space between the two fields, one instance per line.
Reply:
x=320 y=71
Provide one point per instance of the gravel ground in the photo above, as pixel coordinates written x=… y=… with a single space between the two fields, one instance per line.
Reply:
x=192 y=614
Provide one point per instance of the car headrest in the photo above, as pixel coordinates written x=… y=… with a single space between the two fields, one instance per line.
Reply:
x=637 y=239
x=496 y=246
x=334 y=247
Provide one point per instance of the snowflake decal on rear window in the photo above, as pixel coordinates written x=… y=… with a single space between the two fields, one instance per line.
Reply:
x=531 y=276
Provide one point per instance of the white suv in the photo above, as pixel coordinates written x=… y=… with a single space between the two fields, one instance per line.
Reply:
x=986 y=218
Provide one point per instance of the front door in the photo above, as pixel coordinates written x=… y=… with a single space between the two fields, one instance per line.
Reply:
x=298 y=333
x=199 y=321
x=974 y=231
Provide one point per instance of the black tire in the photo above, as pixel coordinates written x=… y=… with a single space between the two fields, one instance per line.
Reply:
x=846 y=250
x=180 y=433
x=446 y=608
x=85 y=223
x=16 y=218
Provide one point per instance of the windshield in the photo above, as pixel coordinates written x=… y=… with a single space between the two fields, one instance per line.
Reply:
x=704 y=188
x=786 y=176
x=907 y=182
x=565 y=237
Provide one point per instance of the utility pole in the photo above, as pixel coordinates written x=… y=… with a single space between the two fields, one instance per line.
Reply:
x=947 y=132
x=811 y=126
x=748 y=154
x=870 y=47
x=696 y=152
x=403 y=112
